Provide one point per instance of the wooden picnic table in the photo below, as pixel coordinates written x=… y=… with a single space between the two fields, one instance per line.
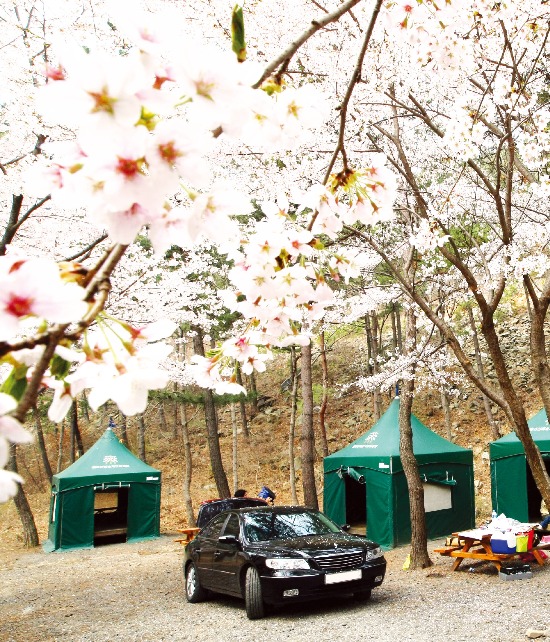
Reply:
x=477 y=545
x=188 y=535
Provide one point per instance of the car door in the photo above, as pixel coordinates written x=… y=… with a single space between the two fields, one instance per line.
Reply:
x=205 y=548
x=228 y=558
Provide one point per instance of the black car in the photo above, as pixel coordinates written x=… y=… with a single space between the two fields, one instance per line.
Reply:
x=279 y=554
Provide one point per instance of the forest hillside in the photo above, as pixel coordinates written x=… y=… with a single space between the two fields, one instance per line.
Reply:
x=263 y=457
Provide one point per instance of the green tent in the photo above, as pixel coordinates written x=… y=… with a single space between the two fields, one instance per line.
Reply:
x=513 y=489
x=107 y=493
x=365 y=485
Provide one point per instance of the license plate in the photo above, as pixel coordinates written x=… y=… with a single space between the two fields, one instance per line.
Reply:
x=346 y=576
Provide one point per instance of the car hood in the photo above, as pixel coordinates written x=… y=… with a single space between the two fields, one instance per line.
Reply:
x=313 y=544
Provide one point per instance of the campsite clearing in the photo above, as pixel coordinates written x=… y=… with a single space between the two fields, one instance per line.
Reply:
x=134 y=592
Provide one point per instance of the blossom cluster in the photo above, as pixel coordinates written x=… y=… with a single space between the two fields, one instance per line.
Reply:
x=117 y=362
x=145 y=125
x=279 y=283
x=145 y=121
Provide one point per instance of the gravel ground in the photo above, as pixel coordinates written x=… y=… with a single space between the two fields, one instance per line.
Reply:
x=134 y=592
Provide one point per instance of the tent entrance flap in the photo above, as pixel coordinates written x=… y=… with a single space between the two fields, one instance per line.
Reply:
x=445 y=479
x=534 y=497
x=356 y=505
x=111 y=511
x=351 y=472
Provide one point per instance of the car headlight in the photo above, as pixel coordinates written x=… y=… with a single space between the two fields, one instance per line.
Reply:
x=373 y=553
x=286 y=563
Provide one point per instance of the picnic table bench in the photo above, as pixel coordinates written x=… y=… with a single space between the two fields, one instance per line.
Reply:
x=477 y=545
x=188 y=535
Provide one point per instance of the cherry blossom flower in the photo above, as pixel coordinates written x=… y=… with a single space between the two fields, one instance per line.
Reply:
x=33 y=287
x=10 y=430
x=97 y=86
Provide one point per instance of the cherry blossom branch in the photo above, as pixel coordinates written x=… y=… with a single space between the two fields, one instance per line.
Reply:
x=355 y=78
x=477 y=169
x=35 y=383
x=524 y=171
x=88 y=248
x=285 y=57
x=15 y=220
x=96 y=291
x=444 y=328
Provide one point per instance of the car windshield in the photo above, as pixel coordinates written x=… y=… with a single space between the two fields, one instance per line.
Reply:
x=263 y=526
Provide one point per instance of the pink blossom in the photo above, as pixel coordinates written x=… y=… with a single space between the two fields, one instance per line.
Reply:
x=33 y=287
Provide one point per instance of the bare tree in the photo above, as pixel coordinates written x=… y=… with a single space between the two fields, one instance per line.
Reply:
x=293 y=408
x=42 y=444
x=211 y=420
x=141 y=438
x=308 y=435
x=324 y=401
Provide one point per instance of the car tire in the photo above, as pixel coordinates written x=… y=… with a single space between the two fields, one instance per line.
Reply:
x=194 y=592
x=362 y=596
x=255 y=607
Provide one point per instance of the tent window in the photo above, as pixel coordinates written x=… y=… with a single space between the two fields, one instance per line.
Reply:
x=106 y=500
x=437 y=497
x=54 y=504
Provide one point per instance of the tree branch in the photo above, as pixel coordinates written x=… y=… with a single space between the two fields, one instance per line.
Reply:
x=316 y=25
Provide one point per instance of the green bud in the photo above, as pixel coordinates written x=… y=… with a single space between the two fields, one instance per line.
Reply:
x=238 y=43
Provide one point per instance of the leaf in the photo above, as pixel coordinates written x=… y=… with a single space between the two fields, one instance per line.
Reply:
x=238 y=43
x=59 y=367
x=16 y=383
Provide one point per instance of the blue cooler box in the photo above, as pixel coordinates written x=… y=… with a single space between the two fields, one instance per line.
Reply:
x=499 y=544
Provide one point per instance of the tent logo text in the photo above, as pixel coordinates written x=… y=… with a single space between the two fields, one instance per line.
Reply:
x=110 y=459
x=372 y=436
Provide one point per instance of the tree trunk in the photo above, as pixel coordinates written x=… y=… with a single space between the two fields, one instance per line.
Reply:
x=60 y=448
x=308 y=436
x=141 y=438
x=235 y=449
x=447 y=414
x=42 y=444
x=188 y=469
x=419 y=537
x=242 y=404
x=372 y=368
x=76 y=437
x=72 y=434
x=254 y=394
x=30 y=534
x=211 y=420
x=85 y=406
x=375 y=367
x=481 y=373
x=324 y=401
x=397 y=316
x=124 y=429
x=292 y=431
x=162 y=416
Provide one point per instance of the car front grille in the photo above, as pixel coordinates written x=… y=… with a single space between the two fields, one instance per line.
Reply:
x=341 y=561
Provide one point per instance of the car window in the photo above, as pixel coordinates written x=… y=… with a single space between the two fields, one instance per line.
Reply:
x=232 y=527
x=263 y=526
x=214 y=528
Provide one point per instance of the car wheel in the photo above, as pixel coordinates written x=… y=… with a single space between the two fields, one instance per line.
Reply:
x=255 y=607
x=193 y=590
x=363 y=596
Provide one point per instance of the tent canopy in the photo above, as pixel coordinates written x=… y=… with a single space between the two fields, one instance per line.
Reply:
x=380 y=444
x=108 y=460
x=107 y=492
x=510 y=445
x=365 y=483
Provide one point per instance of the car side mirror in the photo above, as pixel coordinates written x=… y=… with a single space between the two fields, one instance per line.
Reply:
x=345 y=527
x=228 y=539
